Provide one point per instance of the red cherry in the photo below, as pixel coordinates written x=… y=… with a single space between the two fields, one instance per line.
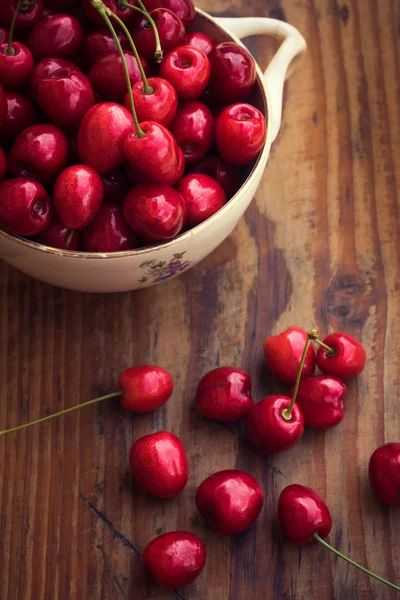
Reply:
x=226 y=175
x=77 y=196
x=193 y=128
x=116 y=185
x=101 y=135
x=155 y=211
x=108 y=77
x=301 y=513
x=321 y=401
x=25 y=208
x=188 y=70
x=41 y=152
x=156 y=156
x=101 y=42
x=170 y=28
x=159 y=106
x=384 y=473
x=201 y=41
x=56 y=36
x=29 y=14
x=20 y=115
x=267 y=429
x=174 y=559
x=46 y=67
x=108 y=231
x=159 y=464
x=230 y=501
x=184 y=9
x=203 y=197
x=240 y=133
x=145 y=388
x=224 y=394
x=65 y=96
x=233 y=72
x=3 y=106
x=127 y=15
x=3 y=164
x=283 y=353
x=58 y=236
x=15 y=68
x=348 y=358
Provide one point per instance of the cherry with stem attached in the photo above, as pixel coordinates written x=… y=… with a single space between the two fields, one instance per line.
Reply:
x=158 y=53
x=16 y=61
x=341 y=355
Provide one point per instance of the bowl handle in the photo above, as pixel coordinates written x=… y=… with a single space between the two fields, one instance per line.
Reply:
x=281 y=65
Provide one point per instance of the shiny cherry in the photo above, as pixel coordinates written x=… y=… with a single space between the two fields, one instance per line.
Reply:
x=174 y=559
x=384 y=473
x=20 y=115
x=201 y=41
x=58 y=236
x=109 y=231
x=343 y=356
x=188 y=70
x=184 y=9
x=233 y=72
x=228 y=176
x=100 y=42
x=3 y=165
x=56 y=36
x=230 y=501
x=155 y=211
x=29 y=14
x=146 y=388
x=25 y=208
x=302 y=513
x=41 y=152
x=224 y=394
x=171 y=31
x=77 y=196
x=127 y=15
x=101 y=135
x=321 y=401
x=193 y=128
x=3 y=106
x=46 y=67
x=159 y=106
x=240 y=133
x=107 y=74
x=203 y=197
x=283 y=354
x=15 y=66
x=159 y=464
x=116 y=185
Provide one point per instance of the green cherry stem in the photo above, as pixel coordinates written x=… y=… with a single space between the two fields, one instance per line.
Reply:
x=287 y=412
x=352 y=562
x=330 y=351
x=98 y=5
x=158 y=54
x=63 y=412
x=10 y=50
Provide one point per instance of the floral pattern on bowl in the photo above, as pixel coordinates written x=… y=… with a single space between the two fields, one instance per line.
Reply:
x=157 y=271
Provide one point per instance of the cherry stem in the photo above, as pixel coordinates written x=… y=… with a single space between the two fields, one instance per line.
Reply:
x=98 y=5
x=147 y=89
x=10 y=50
x=158 y=54
x=63 y=412
x=352 y=562
x=69 y=238
x=329 y=350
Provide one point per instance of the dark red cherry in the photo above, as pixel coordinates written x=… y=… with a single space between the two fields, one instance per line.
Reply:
x=127 y=15
x=4 y=33
x=58 y=236
x=240 y=133
x=224 y=394
x=108 y=77
x=159 y=106
x=29 y=14
x=321 y=400
x=146 y=388
x=347 y=359
x=170 y=28
x=301 y=513
x=20 y=115
x=384 y=473
x=46 y=67
x=108 y=231
x=16 y=67
x=56 y=36
x=228 y=176
x=3 y=106
x=25 y=208
x=100 y=42
x=203 y=197
x=201 y=41
x=193 y=128
x=60 y=6
x=233 y=72
x=188 y=70
x=184 y=9
x=283 y=353
x=3 y=165
x=116 y=185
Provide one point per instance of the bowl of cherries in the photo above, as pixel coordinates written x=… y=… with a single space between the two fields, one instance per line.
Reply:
x=133 y=135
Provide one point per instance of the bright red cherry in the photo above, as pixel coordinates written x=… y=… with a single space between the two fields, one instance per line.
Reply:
x=41 y=152
x=302 y=513
x=174 y=559
x=56 y=36
x=159 y=106
x=20 y=115
x=201 y=41
x=345 y=357
x=3 y=164
x=283 y=354
x=321 y=401
x=184 y=9
x=101 y=135
x=25 y=208
x=46 y=67
x=58 y=236
x=29 y=13
x=170 y=28
x=77 y=196
x=233 y=72
x=116 y=185
x=203 y=197
x=240 y=133
x=230 y=501
x=155 y=211
x=159 y=464
x=224 y=394
x=146 y=388
x=384 y=473
x=127 y=15
x=188 y=70
x=108 y=77
x=100 y=42
x=193 y=128
x=3 y=106
x=108 y=231
x=15 y=66
x=228 y=176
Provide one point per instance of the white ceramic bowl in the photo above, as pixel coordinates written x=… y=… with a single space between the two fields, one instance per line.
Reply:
x=134 y=269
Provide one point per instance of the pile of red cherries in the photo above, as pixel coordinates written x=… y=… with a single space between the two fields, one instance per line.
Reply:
x=120 y=126
x=231 y=500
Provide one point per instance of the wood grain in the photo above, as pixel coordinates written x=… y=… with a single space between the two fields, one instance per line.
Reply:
x=318 y=247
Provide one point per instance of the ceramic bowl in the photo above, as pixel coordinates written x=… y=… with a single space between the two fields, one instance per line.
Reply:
x=134 y=269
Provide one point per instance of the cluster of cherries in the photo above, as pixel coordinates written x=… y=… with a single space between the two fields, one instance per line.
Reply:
x=107 y=145
x=231 y=500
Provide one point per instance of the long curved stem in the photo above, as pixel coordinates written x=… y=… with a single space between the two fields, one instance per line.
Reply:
x=352 y=562
x=311 y=335
x=9 y=50
x=158 y=54
x=62 y=412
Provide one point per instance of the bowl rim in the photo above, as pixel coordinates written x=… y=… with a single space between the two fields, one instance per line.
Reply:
x=187 y=235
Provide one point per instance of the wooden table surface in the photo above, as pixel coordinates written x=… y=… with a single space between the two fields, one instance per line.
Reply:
x=319 y=247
